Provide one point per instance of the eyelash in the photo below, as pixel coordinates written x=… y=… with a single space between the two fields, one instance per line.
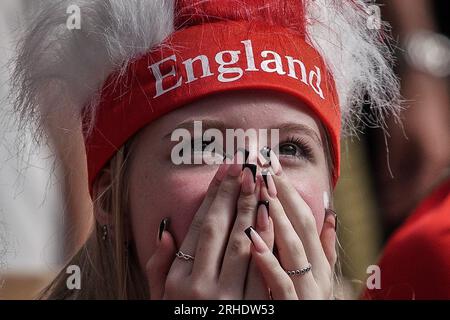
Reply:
x=305 y=150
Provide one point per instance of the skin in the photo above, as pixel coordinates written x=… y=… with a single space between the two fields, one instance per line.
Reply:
x=201 y=202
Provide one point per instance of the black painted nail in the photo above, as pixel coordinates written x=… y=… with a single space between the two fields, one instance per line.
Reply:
x=248 y=232
x=266 y=153
x=245 y=152
x=162 y=227
x=264 y=203
x=252 y=168
x=264 y=175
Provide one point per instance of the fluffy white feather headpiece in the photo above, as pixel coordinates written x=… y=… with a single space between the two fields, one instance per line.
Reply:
x=59 y=68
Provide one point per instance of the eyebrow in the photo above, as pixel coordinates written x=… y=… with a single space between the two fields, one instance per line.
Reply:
x=220 y=125
x=298 y=127
x=206 y=124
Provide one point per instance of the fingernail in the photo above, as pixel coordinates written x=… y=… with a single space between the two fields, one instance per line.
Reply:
x=252 y=168
x=222 y=171
x=236 y=166
x=248 y=179
x=246 y=155
x=248 y=232
x=254 y=237
x=265 y=152
x=162 y=227
x=330 y=212
x=242 y=155
x=263 y=214
x=270 y=184
x=264 y=176
x=275 y=163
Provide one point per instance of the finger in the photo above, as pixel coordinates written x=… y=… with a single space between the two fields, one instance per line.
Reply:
x=328 y=237
x=237 y=254
x=290 y=248
x=215 y=229
x=302 y=219
x=280 y=284
x=181 y=268
x=159 y=264
x=256 y=288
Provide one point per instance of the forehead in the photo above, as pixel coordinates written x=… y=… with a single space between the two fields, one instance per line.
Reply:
x=245 y=109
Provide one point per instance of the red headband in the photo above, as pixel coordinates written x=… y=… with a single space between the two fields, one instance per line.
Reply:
x=205 y=59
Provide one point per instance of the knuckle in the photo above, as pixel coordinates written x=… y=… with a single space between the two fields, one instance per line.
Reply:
x=238 y=247
x=246 y=204
x=227 y=189
x=308 y=220
x=196 y=224
x=305 y=222
x=293 y=247
x=209 y=228
x=198 y=291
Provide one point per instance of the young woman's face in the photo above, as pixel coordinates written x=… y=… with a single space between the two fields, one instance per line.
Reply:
x=159 y=188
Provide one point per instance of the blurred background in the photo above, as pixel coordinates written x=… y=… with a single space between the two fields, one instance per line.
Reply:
x=45 y=209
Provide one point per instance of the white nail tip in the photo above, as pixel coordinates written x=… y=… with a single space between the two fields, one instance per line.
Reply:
x=326 y=200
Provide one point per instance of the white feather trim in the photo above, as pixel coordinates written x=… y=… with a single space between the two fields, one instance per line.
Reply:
x=60 y=68
x=360 y=58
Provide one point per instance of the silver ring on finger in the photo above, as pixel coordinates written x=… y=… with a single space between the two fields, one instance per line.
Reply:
x=184 y=256
x=299 y=272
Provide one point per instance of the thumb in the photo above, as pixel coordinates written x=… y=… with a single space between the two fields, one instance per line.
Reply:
x=159 y=264
x=328 y=237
